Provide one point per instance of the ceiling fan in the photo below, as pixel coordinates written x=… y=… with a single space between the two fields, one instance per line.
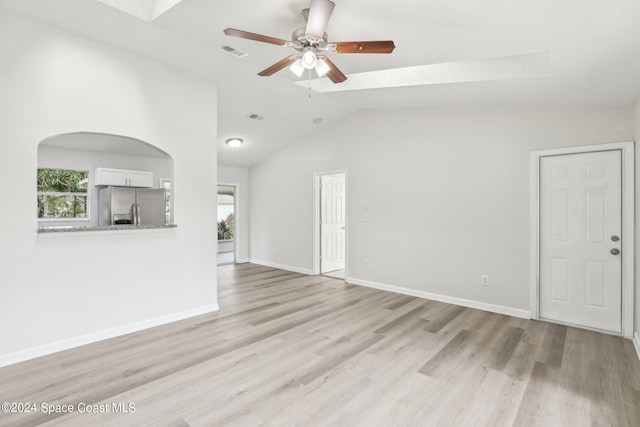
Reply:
x=312 y=43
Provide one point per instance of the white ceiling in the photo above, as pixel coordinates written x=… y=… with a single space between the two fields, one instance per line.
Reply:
x=143 y=9
x=592 y=48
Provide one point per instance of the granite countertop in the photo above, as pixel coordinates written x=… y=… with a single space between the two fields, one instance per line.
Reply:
x=71 y=229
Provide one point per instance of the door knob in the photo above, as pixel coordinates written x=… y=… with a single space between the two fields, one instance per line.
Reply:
x=615 y=251
x=615 y=238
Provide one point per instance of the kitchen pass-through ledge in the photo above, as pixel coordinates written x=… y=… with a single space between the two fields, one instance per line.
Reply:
x=71 y=229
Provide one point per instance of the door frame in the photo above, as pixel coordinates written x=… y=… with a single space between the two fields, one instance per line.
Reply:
x=628 y=233
x=236 y=225
x=316 y=219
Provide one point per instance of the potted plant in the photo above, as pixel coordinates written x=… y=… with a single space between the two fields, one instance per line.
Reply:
x=225 y=234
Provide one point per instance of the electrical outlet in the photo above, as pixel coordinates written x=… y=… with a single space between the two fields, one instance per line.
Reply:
x=366 y=263
x=485 y=280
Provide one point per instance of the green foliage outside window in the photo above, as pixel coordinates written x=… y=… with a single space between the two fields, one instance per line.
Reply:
x=62 y=194
x=225 y=228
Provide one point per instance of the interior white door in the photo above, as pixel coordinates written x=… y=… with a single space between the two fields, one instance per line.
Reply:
x=580 y=232
x=332 y=222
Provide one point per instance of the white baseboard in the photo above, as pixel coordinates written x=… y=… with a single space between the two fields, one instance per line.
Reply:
x=243 y=261
x=509 y=311
x=636 y=342
x=282 y=267
x=43 y=350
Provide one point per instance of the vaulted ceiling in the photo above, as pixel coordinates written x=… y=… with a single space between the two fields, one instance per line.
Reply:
x=491 y=53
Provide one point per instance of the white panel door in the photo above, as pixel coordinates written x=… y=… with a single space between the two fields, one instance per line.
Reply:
x=332 y=222
x=580 y=231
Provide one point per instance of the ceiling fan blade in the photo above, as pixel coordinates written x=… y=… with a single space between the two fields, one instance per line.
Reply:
x=253 y=36
x=278 y=66
x=381 y=46
x=335 y=75
x=319 y=13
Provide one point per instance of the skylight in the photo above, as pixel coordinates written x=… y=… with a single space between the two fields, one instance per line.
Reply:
x=147 y=10
x=503 y=68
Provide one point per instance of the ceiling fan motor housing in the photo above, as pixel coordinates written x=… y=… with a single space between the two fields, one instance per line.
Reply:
x=300 y=40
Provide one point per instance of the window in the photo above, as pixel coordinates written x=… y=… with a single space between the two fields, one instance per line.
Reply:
x=226 y=205
x=62 y=194
x=166 y=184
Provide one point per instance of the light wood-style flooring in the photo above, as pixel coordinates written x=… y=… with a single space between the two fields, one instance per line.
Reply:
x=292 y=350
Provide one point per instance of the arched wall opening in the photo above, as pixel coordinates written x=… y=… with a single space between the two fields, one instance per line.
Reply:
x=74 y=158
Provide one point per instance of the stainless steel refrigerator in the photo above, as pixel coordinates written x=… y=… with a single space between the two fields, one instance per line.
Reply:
x=134 y=206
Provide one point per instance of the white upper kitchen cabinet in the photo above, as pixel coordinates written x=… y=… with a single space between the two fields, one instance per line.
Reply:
x=123 y=178
x=140 y=179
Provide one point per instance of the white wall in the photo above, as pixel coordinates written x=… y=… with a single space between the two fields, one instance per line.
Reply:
x=62 y=290
x=637 y=247
x=239 y=176
x=87 y=160
x=447 y=191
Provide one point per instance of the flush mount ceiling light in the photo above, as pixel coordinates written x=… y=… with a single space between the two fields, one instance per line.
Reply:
x=234 y=142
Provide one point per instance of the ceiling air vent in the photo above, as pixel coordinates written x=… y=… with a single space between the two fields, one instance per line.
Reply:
x=233 y=51
x=255 y=117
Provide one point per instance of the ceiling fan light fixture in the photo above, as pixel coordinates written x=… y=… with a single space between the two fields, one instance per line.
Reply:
x=297 y=68
x=234 y=142
x=322 y=68
x=309 y=60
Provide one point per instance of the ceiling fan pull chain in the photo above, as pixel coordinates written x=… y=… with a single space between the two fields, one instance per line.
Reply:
x=309 y=83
